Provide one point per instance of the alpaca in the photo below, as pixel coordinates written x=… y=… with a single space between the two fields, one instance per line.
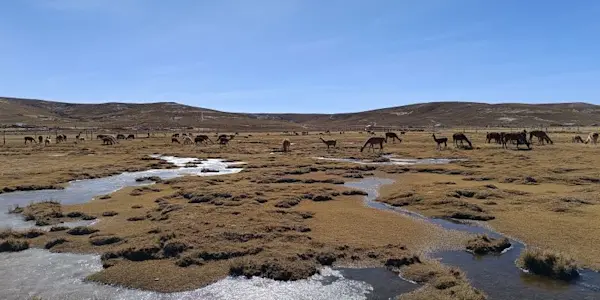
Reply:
x=440 y=141
x=175 y=140
x=329 y=142
x=100 y=136
x=224 y=141
x=461 y=137
x=130 y=137
x=593 y=138
x=59 y=139
x=120 y=136
x=519 y=138
x=187 y=140
x=40 y=139
x=108 y=140
x=493 y=136
x=577 y=139
x=175 y=135
x=393 y=136
x=30 y=140
x=202 y=138
x=47 y=141
x=285 y=144
x=372 y=141
x=542 y=137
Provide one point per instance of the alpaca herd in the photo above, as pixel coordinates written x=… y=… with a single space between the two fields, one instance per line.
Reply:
x=459 y=139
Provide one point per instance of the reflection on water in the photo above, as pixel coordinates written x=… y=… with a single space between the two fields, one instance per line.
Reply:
x=396 y=161
x=497 y=275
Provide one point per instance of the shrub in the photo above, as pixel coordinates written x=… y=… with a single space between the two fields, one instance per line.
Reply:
x=13 y=245
x=52 y=243
x=105 y=240
x=482 y=244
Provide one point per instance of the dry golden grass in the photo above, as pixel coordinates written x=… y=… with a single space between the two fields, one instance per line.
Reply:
x=287 y=210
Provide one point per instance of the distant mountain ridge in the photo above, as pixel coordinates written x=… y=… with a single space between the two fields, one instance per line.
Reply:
x=171 y=115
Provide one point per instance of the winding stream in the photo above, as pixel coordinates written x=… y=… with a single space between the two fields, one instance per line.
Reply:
x=37 y=272
x=496 y=275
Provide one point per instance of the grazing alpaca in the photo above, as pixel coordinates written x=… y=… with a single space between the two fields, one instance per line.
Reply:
x=593 y=138
x=175 y=135
x=40 y=139
x=130 y=137
x=402 y=132
x=519 y=138
x=47 y=141
x=202 y=138
x=64 y=136
x=440 y=141
x=175 y=140
x=108 y=140
x=460 y=137
x=100 y=136
x=224 y=141
x=393 y=136
x=577 y=139
x=120 y=136
x=542 y=137
x=329 y=142
x=285 y=144
x=373 y=141
x=59 y=139
x=496 y=136
x=187 y=140
x=29 y=139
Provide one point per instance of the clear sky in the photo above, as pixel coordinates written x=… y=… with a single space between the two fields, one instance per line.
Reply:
x=301 y=55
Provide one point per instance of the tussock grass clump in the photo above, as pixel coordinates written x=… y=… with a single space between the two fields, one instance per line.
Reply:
x=483 y=244
x=547 y=263
x=288 y=203
x=105 y=240
x=82 y=230
x=174 y=248
x=58 y=228
x=11 y=245
x=282 y=270
x=136 y=218
x=189 y=260
x=75 y=214
x=440 y=283
x=149 y=178
x=52 y=243
x=109 y=213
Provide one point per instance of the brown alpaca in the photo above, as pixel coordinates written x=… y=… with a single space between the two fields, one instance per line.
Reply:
x=329 y=143
x=373 y=141
x=109 y=140
x=224 y=141
x=40 y=139
x=460 y=137
x=201 y=138
x=577 y=139
x=393 y=136
x=47 y=141
x=175 y=140
x=440 y=141
x=187 y=140
x=542 y=137
x=286 y=145
x=175 y=135
x=30 y=140
x=496 y=136
x=130 y=137
x=518 y=138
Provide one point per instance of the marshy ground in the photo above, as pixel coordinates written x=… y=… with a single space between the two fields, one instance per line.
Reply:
x=287 y=214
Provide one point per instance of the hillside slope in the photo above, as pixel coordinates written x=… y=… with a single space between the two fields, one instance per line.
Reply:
x=173 y=115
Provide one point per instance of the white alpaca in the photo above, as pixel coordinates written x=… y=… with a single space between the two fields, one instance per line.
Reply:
x=592 y=137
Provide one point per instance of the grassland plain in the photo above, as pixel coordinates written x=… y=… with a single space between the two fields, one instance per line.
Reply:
x=287 y=213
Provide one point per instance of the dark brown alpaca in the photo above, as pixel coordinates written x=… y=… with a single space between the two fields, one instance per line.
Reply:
x=202 y=138
x=285 y=144
x=373 y=141
x=224 y=141
x=393 y=136
x=440 y=141
x=175 y=135
x=175 y=140
x=40 y=139
x=329 y=143
x=30 y=140
x=108 y=140
x=516 y=137
x=460 y=137
x=496 y=136
x=130 y=137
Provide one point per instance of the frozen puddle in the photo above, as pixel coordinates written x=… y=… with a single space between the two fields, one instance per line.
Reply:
x=53 y=276
x=397 y=161
x=81 y=191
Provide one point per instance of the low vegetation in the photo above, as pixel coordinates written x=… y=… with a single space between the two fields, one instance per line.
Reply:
x=547 y=263
x=483 y=244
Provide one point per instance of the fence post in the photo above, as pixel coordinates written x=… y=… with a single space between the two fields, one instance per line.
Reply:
x=4 y=136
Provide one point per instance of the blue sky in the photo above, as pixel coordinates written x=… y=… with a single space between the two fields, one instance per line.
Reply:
x=301 y=55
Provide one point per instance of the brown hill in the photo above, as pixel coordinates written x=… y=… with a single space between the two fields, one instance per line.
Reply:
x=173 y=115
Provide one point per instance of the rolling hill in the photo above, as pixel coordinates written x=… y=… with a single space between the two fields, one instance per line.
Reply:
x=16 y=111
